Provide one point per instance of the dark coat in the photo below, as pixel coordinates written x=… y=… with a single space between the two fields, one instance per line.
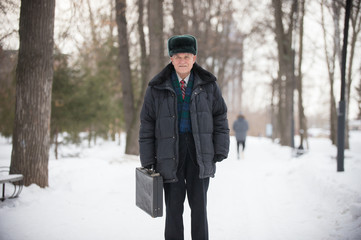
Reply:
x=158 y=135
x=240 y=127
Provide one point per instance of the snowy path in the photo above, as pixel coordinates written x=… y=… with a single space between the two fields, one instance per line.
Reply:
x=274 y=196
x=268 y=195
x=265 y=200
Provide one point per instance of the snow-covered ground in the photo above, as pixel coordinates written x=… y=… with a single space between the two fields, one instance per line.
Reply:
x=267 y=195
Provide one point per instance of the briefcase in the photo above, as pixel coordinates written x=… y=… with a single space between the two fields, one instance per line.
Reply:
x=149 y=191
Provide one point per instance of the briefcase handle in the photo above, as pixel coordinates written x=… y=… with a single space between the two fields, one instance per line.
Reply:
x=151 y=172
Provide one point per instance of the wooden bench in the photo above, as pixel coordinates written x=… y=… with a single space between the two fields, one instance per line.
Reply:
x=15 y=179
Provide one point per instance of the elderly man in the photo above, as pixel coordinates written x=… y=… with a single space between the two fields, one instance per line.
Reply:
x=183 y=133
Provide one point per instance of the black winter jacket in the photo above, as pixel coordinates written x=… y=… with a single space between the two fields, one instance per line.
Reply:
x=158 y=135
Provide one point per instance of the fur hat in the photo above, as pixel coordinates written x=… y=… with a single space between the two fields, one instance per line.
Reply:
x=182 y=44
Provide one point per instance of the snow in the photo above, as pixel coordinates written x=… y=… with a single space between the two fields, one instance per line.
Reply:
x=266 y=195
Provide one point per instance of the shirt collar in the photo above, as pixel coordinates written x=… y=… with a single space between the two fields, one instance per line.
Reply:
x=186 y=79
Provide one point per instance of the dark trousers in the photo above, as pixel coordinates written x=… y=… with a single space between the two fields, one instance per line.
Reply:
x=243 y=145
x=196 y=189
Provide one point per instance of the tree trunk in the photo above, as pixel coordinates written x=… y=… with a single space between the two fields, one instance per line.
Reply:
x=331 y=63
x=180 y=24
x=126 y=78
x=333 y=116
x=223 y=55
x=92 y=25
x=301 y=111
x=286 y=71
x=144 y=59
x=356 y=28
x=155 y=24
x=238 y=80
x=273 y=110
x=358 y=97
x=34 y=78
x=56 y=135
x=156 y=45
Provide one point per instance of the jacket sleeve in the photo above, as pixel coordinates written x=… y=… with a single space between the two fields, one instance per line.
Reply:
x=220 y=126
x=147 y=130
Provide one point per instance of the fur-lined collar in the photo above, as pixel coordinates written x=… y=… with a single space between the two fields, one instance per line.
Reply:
x=201 y=75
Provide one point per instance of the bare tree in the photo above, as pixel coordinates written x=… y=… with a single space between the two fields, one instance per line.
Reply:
x=144 y=58
x=34 y=77
x=331 y=58
x=8 y=8
x=131 y=103
x=301 y=111
x=126 y=77
x=286 y=68
x=156 y=45
x=331 y=65
x=180 y=23
x=355 y=31
x=358 y=97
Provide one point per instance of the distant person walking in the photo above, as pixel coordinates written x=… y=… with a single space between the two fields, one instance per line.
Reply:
x=240 y=127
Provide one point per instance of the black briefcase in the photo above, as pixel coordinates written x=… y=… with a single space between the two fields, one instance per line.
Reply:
x=149 y=191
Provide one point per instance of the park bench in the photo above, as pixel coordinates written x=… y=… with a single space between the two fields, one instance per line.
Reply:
x=15 y=179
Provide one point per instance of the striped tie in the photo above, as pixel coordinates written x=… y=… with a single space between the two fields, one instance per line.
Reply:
x=183 y=87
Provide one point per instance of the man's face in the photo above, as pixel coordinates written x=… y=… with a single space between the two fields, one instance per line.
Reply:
x=183 y=63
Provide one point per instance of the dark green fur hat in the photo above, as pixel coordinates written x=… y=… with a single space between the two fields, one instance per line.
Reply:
x=182 y=44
